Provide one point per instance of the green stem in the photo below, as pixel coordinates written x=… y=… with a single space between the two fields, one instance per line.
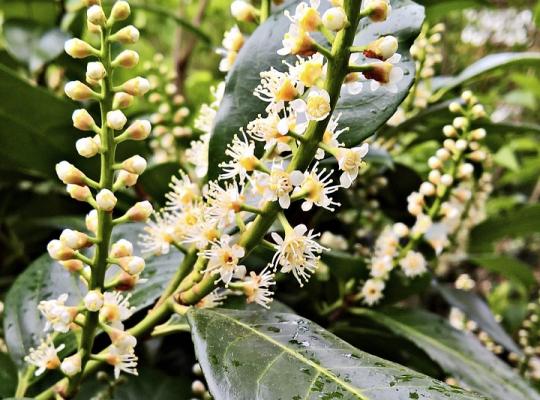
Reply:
x=265 y=9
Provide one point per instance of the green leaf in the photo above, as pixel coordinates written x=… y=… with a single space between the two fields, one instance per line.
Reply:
x=507 y=266
x=265 y=355
x=476 y=309
x=362 y=113
x=486 y=65
x=155 y=180
x=506 y=157
x=45 y=279
x=458 y=353
x=33 y=44
x=8 y=376
x=520 y=222
x=436 y=10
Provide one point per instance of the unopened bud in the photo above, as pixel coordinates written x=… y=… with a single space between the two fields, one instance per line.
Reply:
x=382 y=48
x=96 y=15
x=93 y=301
x=126 y=35
x=83 y=120
x=68 y=173
x=95 y=71
x=434 y=176
x=400 y=229
x=137 y=86
x=116 y=120
x=467 y=96
x=478 y=134
x=78 y=48
x=91 y=221
x=72 y=265
x=460 y=122
x=465 y=170
x=447 y=179
x=139 y=130
x=380 y=72
x=87 y=147
x=478 y=111
x=90 y=3
x=125 y=178
x=120 y=10
x=122 y=100
x=449 y=131
x=335 y=19
x=71 y=365
x=106 y=200
x=122 y=248
x=126 y=59
x=198 y=388
x=140 y=212
x=76 y=90
x=461 y=144
x=132 y=265
x=59 y=251
x=378 y=10
x=122 y=340
x=243 y=11
x=427 y=189
x=74 y=239
x=442 y=154
x=477 y=155
x=434 y=163
x=77 y=192
x=454 y=107
x=135 y=165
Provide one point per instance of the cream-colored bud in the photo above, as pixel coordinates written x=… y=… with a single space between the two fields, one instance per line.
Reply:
x=76 y=90
x=93 y=301
x=427 y=189
x=120 y=10
x=434 y=177
x=478 y=111
x=379 y=9
x=91 y=221
x=68 y=173
x=72 y=265
x=449 y=144
x=140 y=212
x=335 y=19
x=198 y=388
x=122 y=248
x=243 y=11
x=74 y=239
x=454 y=107
x=477 y=155
x=382 y=48
x=467 y=96
x=71 y=365
x=122 y=100
x=59 y=251
x=137 y=86
x=478 y=134
x=126 y=35
x=83 y=120
x=106 y=200
x=460 y=122
x=95 y=71
x=132 y=265
x=87 y=147
x=449 y=131
x=96 y=15
x=116 y=120
x=461 y=144
x=78 y=48
x=77 y=192
x=434 y=163
x=446 y=180
x=400 y=229
x=139 y=130
x=126 y=59
x=135 y=165
x=125 y=178
x=442 y=154
x=465 y=170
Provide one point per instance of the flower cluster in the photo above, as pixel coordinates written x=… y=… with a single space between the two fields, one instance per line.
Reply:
x=104 y=306
x=529 y=340
x=168 y=130
x=441 y=206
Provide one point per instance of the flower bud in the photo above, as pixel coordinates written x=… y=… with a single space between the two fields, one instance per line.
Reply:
x=478 y=134
x=120 y=10
x=78 y=48
x=106 y=200
x=135 y=165
x=442 y=154
x=59 y=251
x=93 y=301
x=90 y=3
x=335 y=19
x=116 y=120
x=137 y=86
x=95 y=71
x=400 y=229
x=461 y=144
x=74 y=239
x=96 y=15
x=427 y=189
x=465 y=170
x=140 y=212
x=449 y=131
x=87 y=147
x=126 y=59
x=122 y=100
x=434 y=163
x=467 y=96
x=83 y=120
x=446 y=180
x=382 y=48
x=380 y=71
x=454 y=107
x=126 y=35
x=243 y=11
x=132 y=265
x=434 y=176
x=378 y=10
x=125 y=178
x=122 y=248
x=477 y=155
x=80 y=193
x=126 y=281
x=122 y=340
x=91 y=221
x=478 y=111
x=72 y=265
x=139 y=130
x=449 y=144
x=76 y=90
x=460 y=122
x=198 y=388
x=71 y=365
x=67 y=173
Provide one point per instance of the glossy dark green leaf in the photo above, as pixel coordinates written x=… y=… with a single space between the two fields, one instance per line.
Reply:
x=268 y=356
x=8 y=376
x=45 y=279
x=459 y=353
x=507 y=266
x=477 y=310
x=436 y=10
x=362 y=113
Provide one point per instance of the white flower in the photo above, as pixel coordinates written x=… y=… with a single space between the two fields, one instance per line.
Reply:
x=122 y=340
x=316 y=106
x=45 y=356
x=213 y=299
x=331 y=135
x=385 y=74
x=308 y=71
x=306 y=16
x=233 y=40
x=159 y=234
x=223 y=259
x=317 y=187
x=372 y=291
x=197 y=154
x=183 y=193
x=93 y=301
x=297 y=252
x=271 y=130
x=387 y=243
x=122 y=361
x=224 y=203
x=256 y=288
x=115 y=309
x=243 y=11
x=242 y=152
x=296 y=41
x=279 y=185
x=422 y=224
x=205 y=120
x=437 y=236
x=58 y=316
x=276 y=88
x=413 y=264
x=349 y=161
x=381 y=266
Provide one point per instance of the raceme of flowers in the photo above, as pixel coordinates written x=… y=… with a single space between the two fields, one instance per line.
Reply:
x=208 y=217
x=105 y=306
x=441 y=206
